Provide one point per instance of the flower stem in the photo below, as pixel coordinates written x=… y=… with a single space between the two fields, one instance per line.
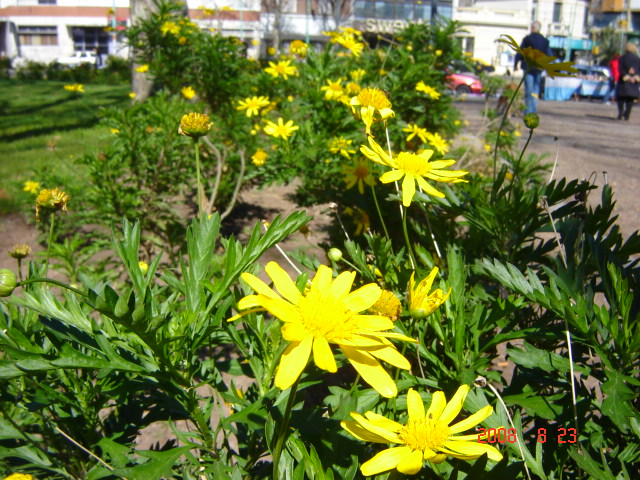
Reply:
x=406 y=238
x=284 y=427
x=52 y=281
x=52 y=223
x=196 y=146
x=502 y=122
x=515 y=170
x=375 y=200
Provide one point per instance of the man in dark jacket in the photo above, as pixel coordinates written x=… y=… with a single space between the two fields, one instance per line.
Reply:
x=629 y=82
x=532 y=76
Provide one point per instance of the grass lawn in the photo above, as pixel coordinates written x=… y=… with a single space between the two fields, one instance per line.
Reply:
x=42 y=126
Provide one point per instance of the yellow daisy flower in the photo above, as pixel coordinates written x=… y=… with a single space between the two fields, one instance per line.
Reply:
x=195 y=125
x=280 y=129
x=327 y=313
x=283 y=68
x=413 y=168
x=536 y=59
x=51 y=199
x=188 y=92
x=342 y=146
x=430 y=91
x=437 y=142
x=358 y=173
x=360 y=219
x=252 y=105
x=387 y=305
x=19 y=476
x=369 y=101
x=31 y=187
x=333 y=90
x=298 y=47
x=356 y=75
x=170 y=27
x=353 y=88
x=143 y=68
x=425 y=436
x=421 y=301
x=415 y=131
x=75 y=88
x=132 y=95
x=259 y=158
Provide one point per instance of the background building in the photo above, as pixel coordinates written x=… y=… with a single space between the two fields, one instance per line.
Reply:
x=45 y=30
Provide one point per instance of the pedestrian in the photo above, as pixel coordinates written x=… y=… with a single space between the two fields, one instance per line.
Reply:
x=532 y=76
x=614 y=76
x=629 y=82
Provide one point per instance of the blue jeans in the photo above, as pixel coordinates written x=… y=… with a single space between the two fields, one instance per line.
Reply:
x=532 y=91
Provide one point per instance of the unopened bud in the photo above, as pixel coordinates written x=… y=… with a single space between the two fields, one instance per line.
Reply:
x=531 y=120
x=8 y=282
x=144 y=267
x=335 y=254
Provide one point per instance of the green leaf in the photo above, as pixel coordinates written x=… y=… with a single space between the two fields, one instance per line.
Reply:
x=160 y=464
x=617 y=404
x=532 y=357
x=588 y=464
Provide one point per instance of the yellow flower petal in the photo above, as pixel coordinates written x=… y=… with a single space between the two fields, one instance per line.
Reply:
x=342 y=284
x=371 y=371
x=383 y=422
x=362 y=433
x=292 y=362
x=415 y=407
x=283 y=282
x=454 y=406
x=322 y=279
x=293 y=332
x=258 y=285
x=385 y=460
x=428 y=189
x=391 y=356
x=473 y=420
x=379 y=430
x=374 y=322
x=391 y=176
x=470 y=450
x=408 y=189
x=281 y=309
x=363 y=298
x=323 y=356
x=411 y=464
x=438 y=402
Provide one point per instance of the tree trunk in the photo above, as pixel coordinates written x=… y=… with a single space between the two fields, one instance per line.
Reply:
x=141 y=83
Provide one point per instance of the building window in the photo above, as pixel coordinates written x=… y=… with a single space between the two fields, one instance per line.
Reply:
x=557 y=12
x=29 y=35
x=409 y=10
x=87 y=39
x=46 y=2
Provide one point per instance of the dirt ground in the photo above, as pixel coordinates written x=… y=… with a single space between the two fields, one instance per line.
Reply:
x=583 y=135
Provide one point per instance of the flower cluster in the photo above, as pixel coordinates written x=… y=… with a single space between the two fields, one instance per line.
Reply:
x=74 y=88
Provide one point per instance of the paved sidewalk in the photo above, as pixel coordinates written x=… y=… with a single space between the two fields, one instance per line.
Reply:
x=590 y=141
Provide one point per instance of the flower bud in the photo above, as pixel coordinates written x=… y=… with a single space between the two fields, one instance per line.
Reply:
x=20 y=251
x=8 y=282
x=335 y=254
x=144 y=267
x=195 y=125
x=531 y=120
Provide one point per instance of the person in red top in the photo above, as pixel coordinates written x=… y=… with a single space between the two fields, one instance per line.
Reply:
x=614 y=72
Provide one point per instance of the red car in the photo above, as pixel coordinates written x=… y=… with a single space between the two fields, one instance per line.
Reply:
x=463 y=83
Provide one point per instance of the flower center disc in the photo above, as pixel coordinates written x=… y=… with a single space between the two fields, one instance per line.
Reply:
x=326 y=317
x=422 y=434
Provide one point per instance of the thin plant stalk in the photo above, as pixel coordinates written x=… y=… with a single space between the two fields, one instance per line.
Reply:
x=284 y=427
x=406 y=239
x=515 y=170
x=375 y=200
x=502 y=122
x=481 y=382
x=196 y=146
x=51 y=226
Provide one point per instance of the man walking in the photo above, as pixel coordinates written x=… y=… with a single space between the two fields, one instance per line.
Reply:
x=532 y=76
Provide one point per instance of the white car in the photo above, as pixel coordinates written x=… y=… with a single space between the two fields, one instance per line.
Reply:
x=78 y=58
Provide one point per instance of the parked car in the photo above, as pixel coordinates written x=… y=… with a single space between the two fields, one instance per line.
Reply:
x=78 y=58
x=463 y=83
